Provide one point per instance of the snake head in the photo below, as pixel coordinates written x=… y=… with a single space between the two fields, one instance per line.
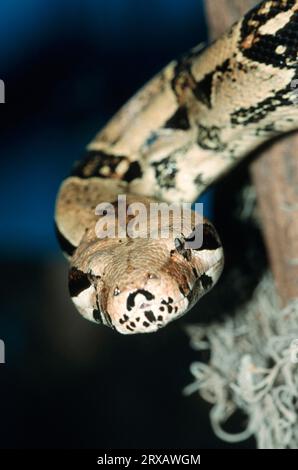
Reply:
x=143 y=293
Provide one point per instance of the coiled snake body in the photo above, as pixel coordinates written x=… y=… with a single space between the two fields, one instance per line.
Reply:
x=187 y=127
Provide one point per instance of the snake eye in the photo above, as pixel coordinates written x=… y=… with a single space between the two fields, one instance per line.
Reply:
x=116 y=291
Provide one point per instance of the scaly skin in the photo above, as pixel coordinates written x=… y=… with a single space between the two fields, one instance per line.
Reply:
x=188 y=126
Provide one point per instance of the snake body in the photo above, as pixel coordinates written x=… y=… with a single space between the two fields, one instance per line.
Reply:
x=188 y=126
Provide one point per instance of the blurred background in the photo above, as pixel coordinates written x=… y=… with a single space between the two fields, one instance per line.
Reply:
x=68 y=65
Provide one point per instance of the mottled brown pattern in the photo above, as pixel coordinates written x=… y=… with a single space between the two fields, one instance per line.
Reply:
x=187 y=127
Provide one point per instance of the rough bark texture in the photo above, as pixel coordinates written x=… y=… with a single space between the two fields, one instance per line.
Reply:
x=275 y=176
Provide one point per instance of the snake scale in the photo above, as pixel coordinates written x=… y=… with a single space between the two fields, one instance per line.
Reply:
x=183 y=130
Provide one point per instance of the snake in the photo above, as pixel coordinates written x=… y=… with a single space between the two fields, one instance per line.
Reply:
x=186 y=128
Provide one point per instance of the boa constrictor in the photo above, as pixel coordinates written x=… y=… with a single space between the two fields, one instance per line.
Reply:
x=188 y=126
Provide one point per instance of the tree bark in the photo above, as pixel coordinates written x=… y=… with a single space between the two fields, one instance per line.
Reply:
x=274 y=174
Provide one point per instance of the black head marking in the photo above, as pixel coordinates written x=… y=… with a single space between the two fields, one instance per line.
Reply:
x=150 y=316
x=130 y=303
x=167 y=304
x=77 y=282
x=206 y=281
x=124 y=319
x=97 y=316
